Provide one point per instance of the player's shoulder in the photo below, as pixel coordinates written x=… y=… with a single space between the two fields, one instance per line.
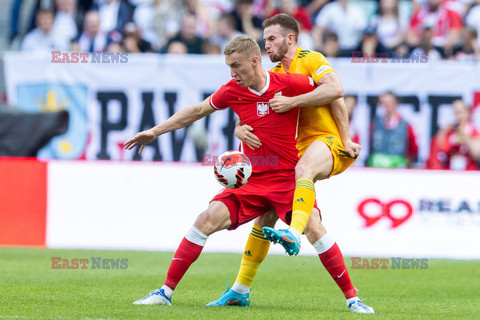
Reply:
x=310 y=55
x=229 y=89
x=232 y=86
x=282 y=77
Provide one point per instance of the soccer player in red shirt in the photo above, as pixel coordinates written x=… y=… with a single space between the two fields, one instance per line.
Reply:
x=271 y=186
x=325 y=148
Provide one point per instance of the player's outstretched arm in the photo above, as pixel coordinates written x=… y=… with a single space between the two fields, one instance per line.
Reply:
x=339 y=112
x=179 y=120
x=329 y=89
x=244 y=133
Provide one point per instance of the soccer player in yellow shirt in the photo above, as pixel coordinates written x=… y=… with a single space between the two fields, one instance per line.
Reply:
x=325 y=149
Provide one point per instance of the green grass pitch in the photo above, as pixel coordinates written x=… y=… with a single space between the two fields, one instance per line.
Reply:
x=285 y=288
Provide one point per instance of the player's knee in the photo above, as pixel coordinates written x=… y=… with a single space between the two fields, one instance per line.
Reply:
x=209 y=222
x=303 y=171
x=267 y=220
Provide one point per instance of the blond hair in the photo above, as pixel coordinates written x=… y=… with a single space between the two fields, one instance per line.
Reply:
x=243 y=45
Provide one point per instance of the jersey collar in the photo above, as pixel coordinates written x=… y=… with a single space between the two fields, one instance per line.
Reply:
x=267 y=84
x=293 y=63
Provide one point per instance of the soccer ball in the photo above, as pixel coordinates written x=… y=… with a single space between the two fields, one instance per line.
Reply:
x=232 y=169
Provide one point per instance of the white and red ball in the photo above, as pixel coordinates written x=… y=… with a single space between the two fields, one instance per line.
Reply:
x=232 y=169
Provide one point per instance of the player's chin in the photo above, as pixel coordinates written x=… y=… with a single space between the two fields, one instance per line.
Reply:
x=241 y=83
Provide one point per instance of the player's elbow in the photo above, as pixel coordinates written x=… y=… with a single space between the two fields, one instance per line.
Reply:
x=201 y=111
x=337 y=91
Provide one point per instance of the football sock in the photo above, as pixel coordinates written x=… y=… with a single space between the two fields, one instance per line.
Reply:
x=240 y=288
x=332 y=260
x=303 y=201
x=186 y=254
x=255 y=252
x=168 y=291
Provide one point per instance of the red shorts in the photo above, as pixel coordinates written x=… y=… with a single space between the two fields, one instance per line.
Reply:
x=263 y=192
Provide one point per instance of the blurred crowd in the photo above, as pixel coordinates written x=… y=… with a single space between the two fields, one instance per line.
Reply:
x=436 y=29
x=393 y=141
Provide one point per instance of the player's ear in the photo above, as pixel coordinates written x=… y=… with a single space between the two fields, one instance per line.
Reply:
x=291 y=38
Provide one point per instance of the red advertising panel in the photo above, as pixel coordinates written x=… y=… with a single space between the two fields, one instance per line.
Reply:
x=23 y=202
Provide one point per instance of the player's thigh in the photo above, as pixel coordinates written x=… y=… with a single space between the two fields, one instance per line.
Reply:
x=314 y=229
x=215 y=218
x=268 y=219
x=316 y=163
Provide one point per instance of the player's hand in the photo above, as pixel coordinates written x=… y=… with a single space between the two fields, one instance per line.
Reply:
x=142 y=138
x=281 y=104
x=244 y=133
x=353 y=149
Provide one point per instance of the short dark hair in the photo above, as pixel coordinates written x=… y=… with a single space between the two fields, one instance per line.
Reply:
x=285 y=21
x=391 y=93
x=45 y=11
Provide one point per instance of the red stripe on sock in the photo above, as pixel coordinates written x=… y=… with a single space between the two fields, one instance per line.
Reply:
x=185 y=255
x=333 y=261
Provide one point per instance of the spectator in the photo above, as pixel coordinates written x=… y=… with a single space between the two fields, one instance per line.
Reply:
x=402 y=51
x=472 y=19
x=115 y=47
x=177 y=47
x=114 y=15
x=346 y=20
x=66 y=19
x=392 y=140
x=351 y=103
x=188 y=35
x=290 y=7
x=42 y=38
x=390 y=28
x=205 y=24
x=300 y=14
x=227 y=31
x=457 y=146
x=16 y=13
x=331 y=47
x=313 y=6
x=246 y=21
x=92 y=38
x=470 y=48
x=132 y=39
x=209 y=48
x=159 y=21
x=426 y=48
x=371 y=46
x=446 y=26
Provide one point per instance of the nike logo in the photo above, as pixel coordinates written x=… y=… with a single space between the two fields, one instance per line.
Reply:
x=232 y=302
x=341 y=274
x=177 y=259
x=284 y=238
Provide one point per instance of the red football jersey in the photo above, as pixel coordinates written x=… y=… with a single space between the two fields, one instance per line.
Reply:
x=276 y=131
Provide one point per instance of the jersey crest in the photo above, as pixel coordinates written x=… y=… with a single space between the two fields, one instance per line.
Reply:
x=263 y=108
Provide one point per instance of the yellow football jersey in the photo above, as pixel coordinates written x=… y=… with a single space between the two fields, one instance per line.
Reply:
x=314 y=121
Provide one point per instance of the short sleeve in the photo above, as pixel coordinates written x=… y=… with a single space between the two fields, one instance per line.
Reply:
x=301 y=83
x=218 y=100
x=318 y=66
